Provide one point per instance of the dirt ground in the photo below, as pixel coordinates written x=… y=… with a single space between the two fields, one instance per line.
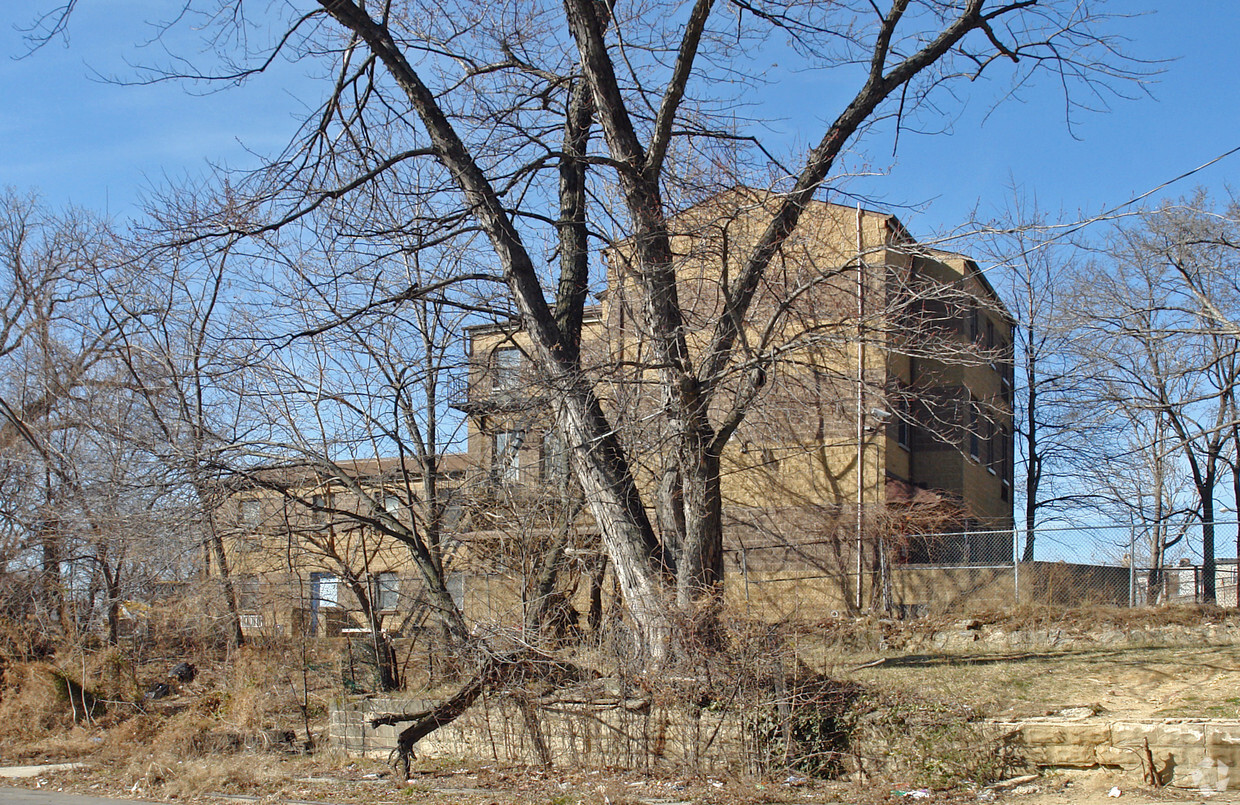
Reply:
x=1196 y=676
x=1123 y=683
x=352 y=781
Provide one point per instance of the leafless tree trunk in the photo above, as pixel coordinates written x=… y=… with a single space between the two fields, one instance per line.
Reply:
x=1165 y=349
x=1050 y=376
x=177 y=366
x=472 y=98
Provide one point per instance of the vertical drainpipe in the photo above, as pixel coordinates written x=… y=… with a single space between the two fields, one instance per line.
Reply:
x=860 y=407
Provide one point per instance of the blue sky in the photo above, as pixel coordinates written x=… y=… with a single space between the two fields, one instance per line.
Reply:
x=77 y=139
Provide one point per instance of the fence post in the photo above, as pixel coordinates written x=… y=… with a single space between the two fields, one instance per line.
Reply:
x=1016 y=564
x=745 y=573
x=1132 y=567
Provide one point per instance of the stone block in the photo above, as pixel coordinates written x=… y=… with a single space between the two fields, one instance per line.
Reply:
x=1126 y=758
x=1060 y=743
x=1159 y=733
x=1223 y=734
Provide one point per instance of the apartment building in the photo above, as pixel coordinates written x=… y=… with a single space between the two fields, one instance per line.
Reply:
x=881 y=437
x=882 y=434
x=312 y=549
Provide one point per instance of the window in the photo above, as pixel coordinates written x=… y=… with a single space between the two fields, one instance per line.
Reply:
x=452 y=512
x=1003 y=462
x=901 y=428
x=990 y=445
x=324 y=590
x=456 y=588
x=392 y=504
x=507 y=467
x=317 y=503
x=507 y=367
x=251 y=512
x=904 y=432
x=554 y=457
x=386 y=593
x=974 y=436
x=247 y=588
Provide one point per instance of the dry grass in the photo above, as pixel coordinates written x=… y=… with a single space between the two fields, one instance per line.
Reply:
x=179 y=778
x=30 y=708
x=209 y=736
x=219 y=732
x=1095 y=618
x=1193 y=678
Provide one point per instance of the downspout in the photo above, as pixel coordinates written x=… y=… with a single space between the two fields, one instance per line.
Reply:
x=860 y=409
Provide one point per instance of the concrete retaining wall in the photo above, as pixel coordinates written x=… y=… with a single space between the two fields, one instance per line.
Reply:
x=633 y=734
x=621 y=733
x=1190 y=753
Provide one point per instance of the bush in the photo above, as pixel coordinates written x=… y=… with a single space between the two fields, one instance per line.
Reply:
x=927 y=743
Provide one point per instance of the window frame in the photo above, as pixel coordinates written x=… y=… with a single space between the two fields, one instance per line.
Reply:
x=506 y=362
x=250 y=512
x=319 y=501
x=320 y=584
x=902 y=426
x=385 y=595
x=553 y=465
x=506 y=455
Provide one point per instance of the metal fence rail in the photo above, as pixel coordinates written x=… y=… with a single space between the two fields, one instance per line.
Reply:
x=954 y=572
x=808 y=580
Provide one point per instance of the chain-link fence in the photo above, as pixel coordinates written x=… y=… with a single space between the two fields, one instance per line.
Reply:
x=911 y=575
x=804 y=581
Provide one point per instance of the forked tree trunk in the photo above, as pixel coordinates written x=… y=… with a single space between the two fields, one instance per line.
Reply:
x=699 y=572
x=638 y=560
x=647 y=575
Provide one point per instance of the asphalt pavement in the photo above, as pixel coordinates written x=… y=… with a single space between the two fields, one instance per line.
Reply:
x=32 y=796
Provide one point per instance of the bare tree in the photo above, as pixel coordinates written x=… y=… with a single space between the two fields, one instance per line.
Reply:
x=1037 y=267
x=1162 y=350
x=350 y=427
x=59 y=396
x=500 y=106
x=177 y=360
x=1200 y=243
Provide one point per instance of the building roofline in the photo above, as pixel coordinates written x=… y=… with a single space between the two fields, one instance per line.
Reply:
x=974 y=271
x=590 y=313
x=309 y=471
x=754 y=191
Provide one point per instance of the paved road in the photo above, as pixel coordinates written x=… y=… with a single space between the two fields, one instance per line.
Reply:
x=29 y=796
